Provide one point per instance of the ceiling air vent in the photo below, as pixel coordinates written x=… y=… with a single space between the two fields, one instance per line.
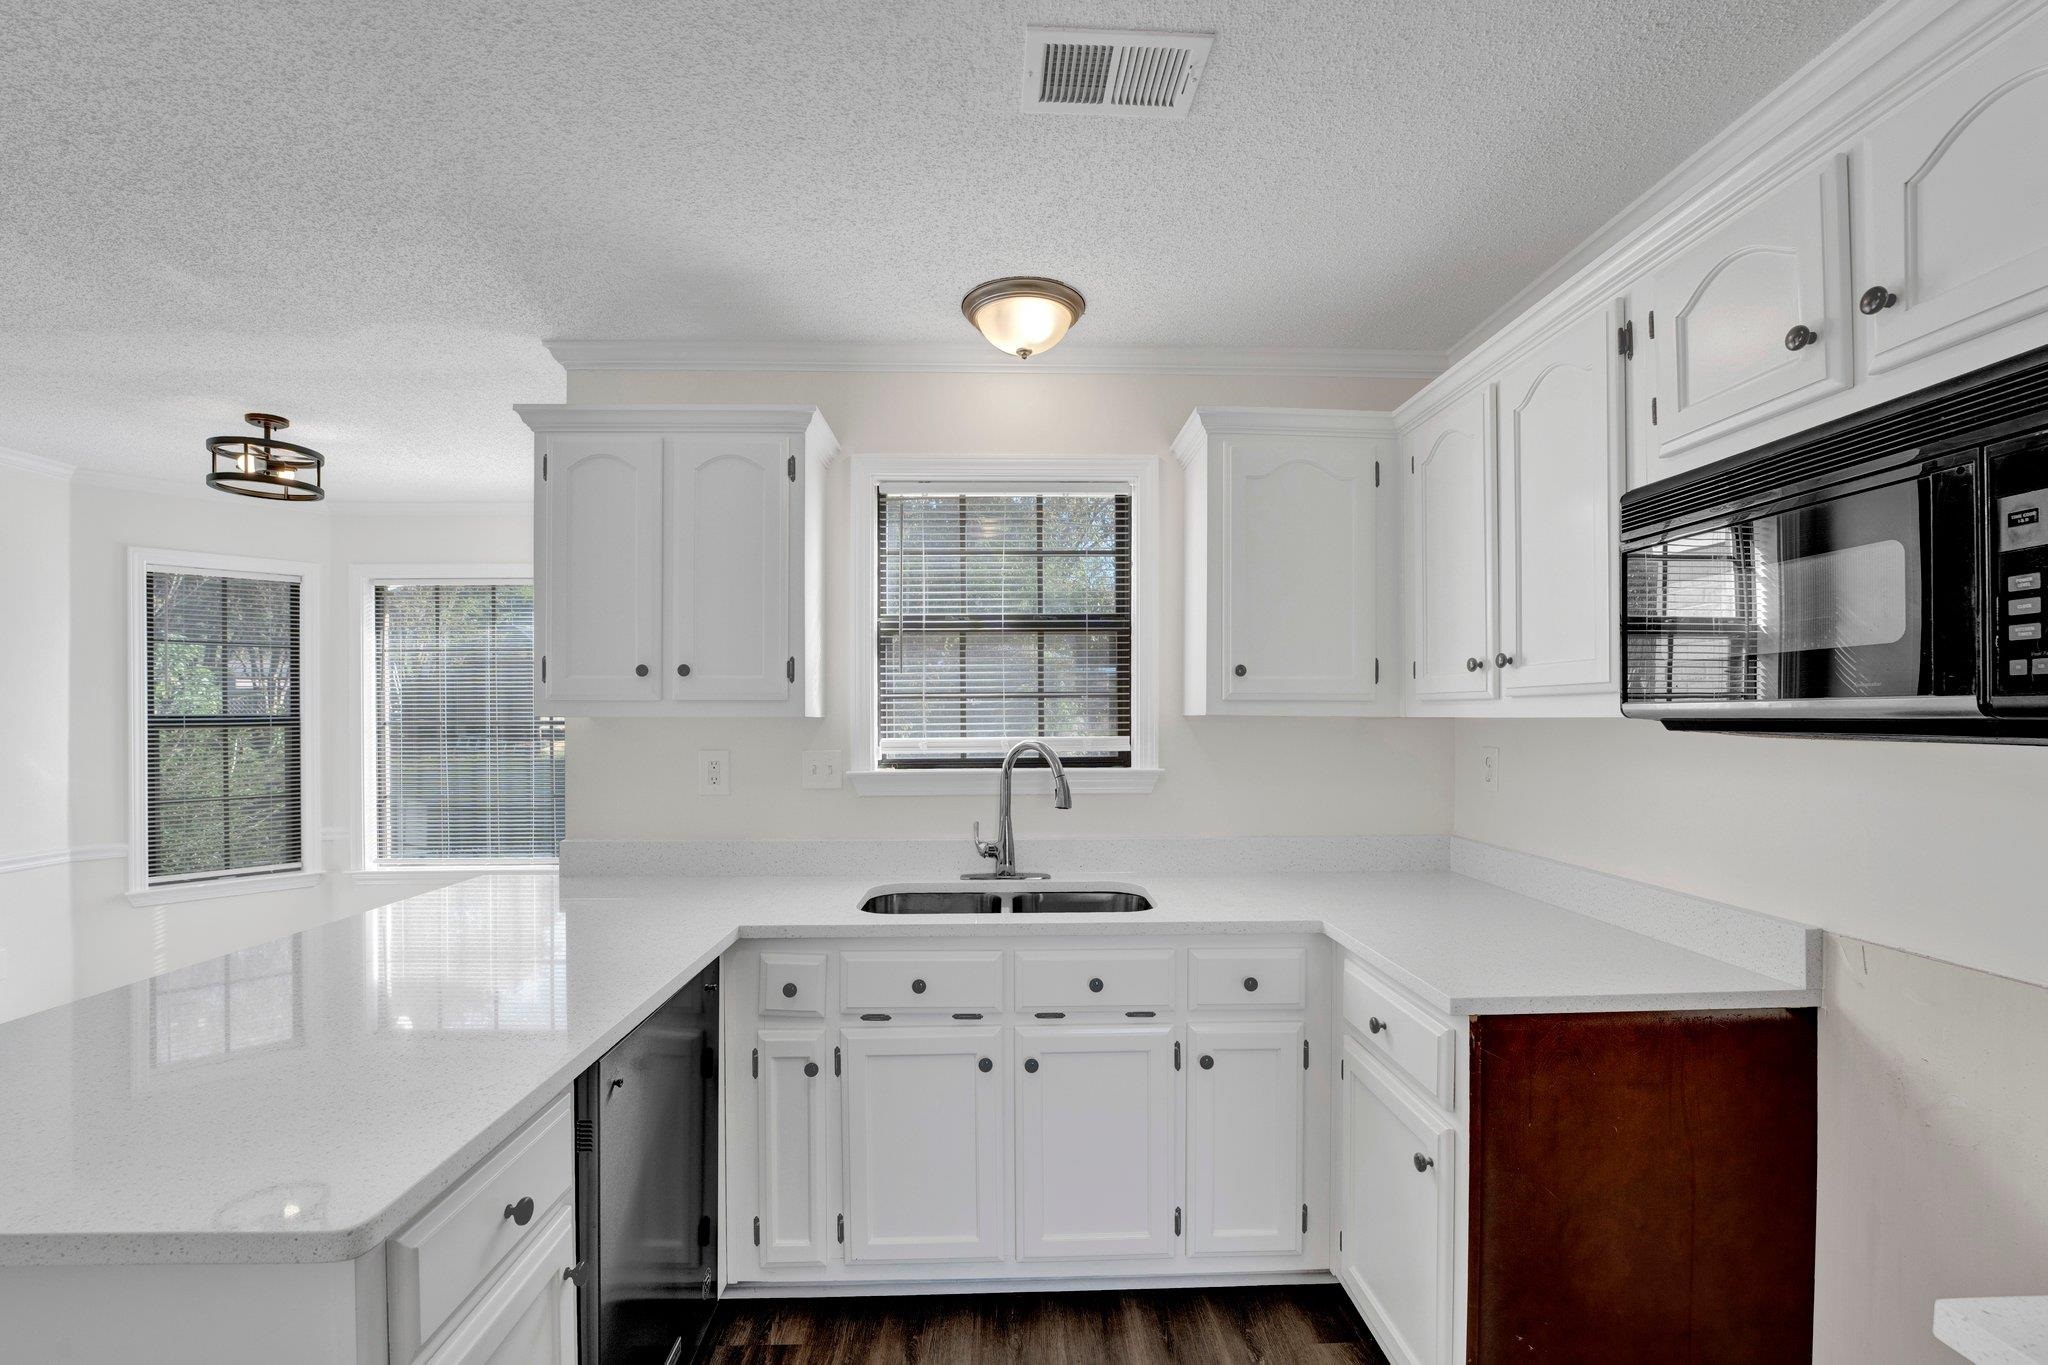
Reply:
x=1105 y=71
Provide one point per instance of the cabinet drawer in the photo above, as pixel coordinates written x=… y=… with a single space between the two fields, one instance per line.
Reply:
x=1247 y=978
x=793 y=983
x=1420 y=1046
x=1088 y=979
x=451 y=1249
x=921 y=981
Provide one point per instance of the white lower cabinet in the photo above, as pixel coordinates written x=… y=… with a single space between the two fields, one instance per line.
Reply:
x=529 y=1316
x=924 y=1144
x=790 y=1204
x=1098 y=1170
x=1398 y=1193
x=1244 y=1139
x=1032 y=1108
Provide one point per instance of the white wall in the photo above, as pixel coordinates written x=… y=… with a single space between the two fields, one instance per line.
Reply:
x=636 y=778
x=1927 y=847
x=35 y=651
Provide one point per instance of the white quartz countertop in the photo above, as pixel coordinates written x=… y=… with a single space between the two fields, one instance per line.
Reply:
x=2011 y=1331
x=365 y=1064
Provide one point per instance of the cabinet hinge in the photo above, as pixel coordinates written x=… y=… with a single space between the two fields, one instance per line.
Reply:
x=1176 y=1222
x=1412 y=666
x=757 y=1229
x=704 y=1230
x=710 y=1070
x=1375 y=672
x=1340 y=1239
x=1304 y=1218
x=835 y=1061
x=1653 y=412
x=1340 y=1068
x=1176 y=1056
x=1625 y=340
x=1304 y=1054
x=1653 y=324
x=757 y=1064
x=792 y=469
x=789 y=669
x=543 y=668
x=842 y=1229
x=543 y=469
x=1411 y=464
x=1375 y=473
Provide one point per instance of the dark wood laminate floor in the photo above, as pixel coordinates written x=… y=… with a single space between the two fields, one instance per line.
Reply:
x=1312 y=1325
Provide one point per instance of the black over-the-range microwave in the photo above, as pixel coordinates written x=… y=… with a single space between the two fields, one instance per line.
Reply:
x=1879 y=577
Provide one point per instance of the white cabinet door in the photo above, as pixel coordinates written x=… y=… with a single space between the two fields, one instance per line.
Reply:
x=1954 y=191
x=1244 y=1139
x=1303 y=548
x=1399 y=1201
x=1722 y=315
x=925 y=1157
x=528 y=1317
x=1451 y=550
x=1097 y=1146
x=790 y=1212
x=1561 y=415
x=729 y=566
x=600 y=570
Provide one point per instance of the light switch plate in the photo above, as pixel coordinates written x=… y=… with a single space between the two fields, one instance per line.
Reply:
x=822 y=768
x=1489 y=769
x=714 y=772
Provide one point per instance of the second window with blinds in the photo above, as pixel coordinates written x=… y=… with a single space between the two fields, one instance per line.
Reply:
x=1003 y=609
x=459 y=770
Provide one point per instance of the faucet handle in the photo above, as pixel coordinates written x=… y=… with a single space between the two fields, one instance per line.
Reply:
x=982 y=847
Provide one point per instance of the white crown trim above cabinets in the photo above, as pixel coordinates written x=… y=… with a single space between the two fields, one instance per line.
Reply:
x=969 y=356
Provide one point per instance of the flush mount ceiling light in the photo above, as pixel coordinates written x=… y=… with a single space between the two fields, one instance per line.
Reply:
x=264 y=467
x=1023 y=314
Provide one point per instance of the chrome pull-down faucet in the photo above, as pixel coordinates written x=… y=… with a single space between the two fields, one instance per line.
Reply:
x=1004 y=849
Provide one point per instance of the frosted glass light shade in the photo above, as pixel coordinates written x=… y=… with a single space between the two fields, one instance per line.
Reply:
x=1023 y=314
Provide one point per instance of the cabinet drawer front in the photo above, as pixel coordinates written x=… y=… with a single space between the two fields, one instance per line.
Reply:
x=921 y=981
x=793 y=983
x=1419 y=1046
x=1247 y=978
x=1086 y=979
x=451 y=1249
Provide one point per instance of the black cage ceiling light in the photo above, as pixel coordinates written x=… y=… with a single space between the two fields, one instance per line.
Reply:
x=265 y=467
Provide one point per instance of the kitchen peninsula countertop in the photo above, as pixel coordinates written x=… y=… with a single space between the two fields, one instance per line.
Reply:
x=366 y=1064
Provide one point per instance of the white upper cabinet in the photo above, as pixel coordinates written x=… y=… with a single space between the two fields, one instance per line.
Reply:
x=1451 y=550
x=1954 y=192
x=1749 y=320
x=676 y=560
x=1561 y=412
x=1096 y=1142
x=602 y=513
x=1285 y=561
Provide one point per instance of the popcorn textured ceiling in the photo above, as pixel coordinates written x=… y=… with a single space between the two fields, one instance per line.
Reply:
x=366 y=215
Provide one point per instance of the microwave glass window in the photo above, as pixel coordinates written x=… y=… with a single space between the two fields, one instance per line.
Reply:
x=1837 y=599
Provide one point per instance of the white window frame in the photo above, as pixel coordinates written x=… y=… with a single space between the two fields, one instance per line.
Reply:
x=364 y=580
x=1138 y=473
x=141 y=563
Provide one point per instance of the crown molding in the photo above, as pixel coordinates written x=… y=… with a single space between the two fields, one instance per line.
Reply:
x=41 y=465
x=971 y=357
x=1203 y=423
x=789 y=418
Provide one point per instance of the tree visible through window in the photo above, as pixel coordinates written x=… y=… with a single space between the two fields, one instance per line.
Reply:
x=465 y=772
x=1004 y=614
x=222 y=725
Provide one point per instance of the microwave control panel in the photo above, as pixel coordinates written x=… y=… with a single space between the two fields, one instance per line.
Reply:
x=2016 y=497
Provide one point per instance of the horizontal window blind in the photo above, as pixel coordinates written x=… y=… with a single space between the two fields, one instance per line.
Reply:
x=465 y=772
x=222 y=725
x=1004 y=614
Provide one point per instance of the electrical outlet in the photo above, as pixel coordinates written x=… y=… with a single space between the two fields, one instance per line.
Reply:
x=714 y=772
x=1489 y=769
x=821 y=767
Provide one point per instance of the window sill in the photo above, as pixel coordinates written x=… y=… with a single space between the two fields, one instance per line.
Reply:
x=392 y=874
x=982 y=781
x=171 y=893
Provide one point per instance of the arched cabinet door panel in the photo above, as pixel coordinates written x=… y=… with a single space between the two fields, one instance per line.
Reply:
x=1451 y=551
x=730 y=530
x=1954 y=192
x=1750 y=320
x=600 y=606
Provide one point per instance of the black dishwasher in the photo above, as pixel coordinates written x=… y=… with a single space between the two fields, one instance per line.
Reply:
x=647 y=1185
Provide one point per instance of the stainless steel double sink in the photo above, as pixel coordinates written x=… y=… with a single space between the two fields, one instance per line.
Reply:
x=980 y=901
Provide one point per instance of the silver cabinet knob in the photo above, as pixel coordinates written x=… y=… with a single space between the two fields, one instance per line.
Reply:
x=1503 y=660
x=1800 y=337
x=521 y=1213
x=1474 y=665
x=1375 y=1025
x=1423 y=1163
